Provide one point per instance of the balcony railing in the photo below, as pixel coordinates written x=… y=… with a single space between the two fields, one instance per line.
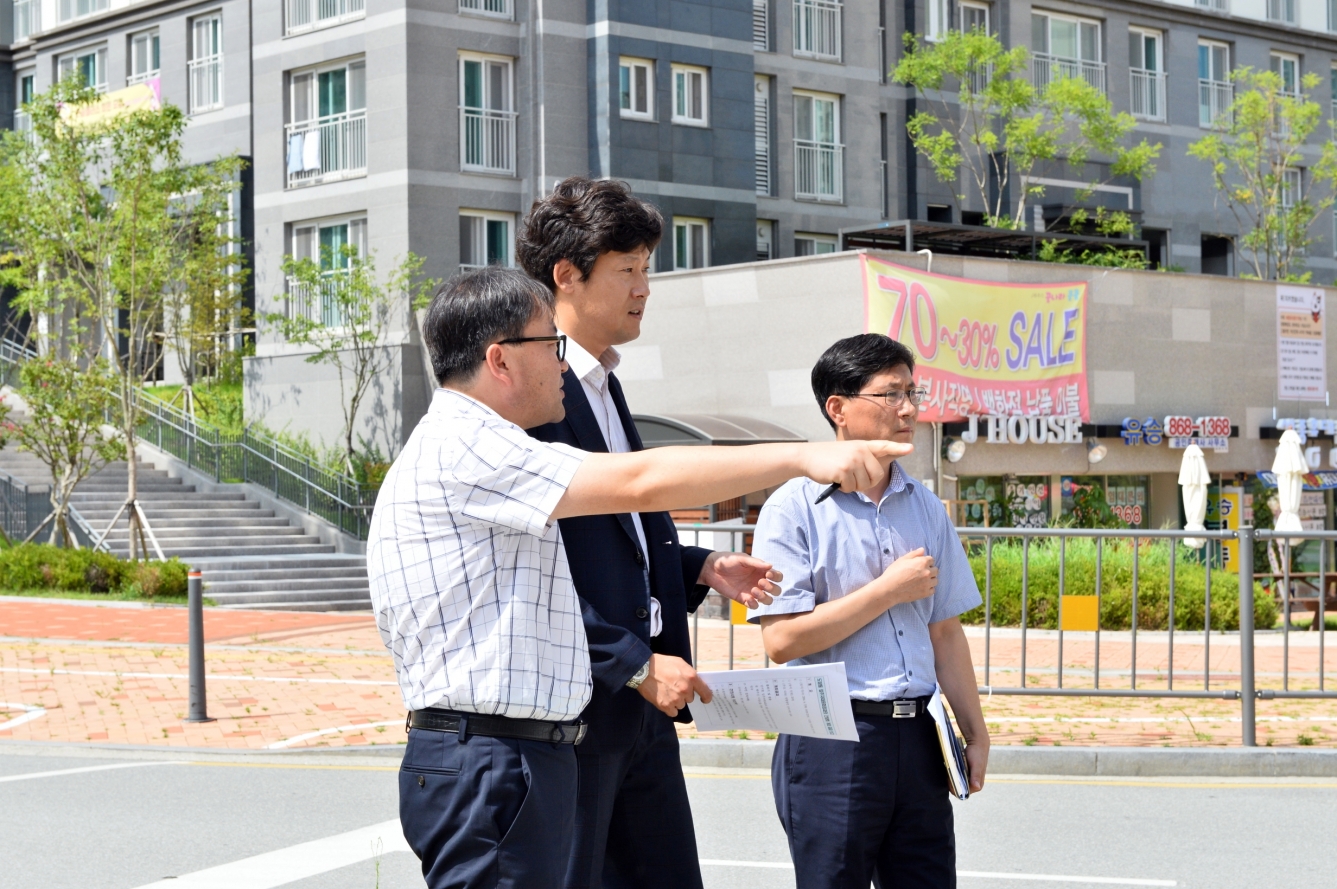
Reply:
x=817 y=29
x=977 y=79
x=819 y=173
x=487 y=141
x=206 y=84
x=1147 y=93
x=1215 y=5
x=1045 y=69
x=27 y=18
x=307 y=15
x=327 y=149
x=1214 y=100
x=323 y=307
x=498 y=8
x=141 y=77
x=22 y=122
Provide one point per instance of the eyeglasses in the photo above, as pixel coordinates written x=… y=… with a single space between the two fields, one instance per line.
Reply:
x=893 y=398
x=559 y=339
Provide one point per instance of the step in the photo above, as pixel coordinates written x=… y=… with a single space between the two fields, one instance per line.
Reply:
x=328 y=605
x=287 y=586
x=283 y=563
x=297 y=571
x=192 y=552
x=121 y=531
x=288 y=596
x=167 y=496
x=250 y=520
x=111 y=504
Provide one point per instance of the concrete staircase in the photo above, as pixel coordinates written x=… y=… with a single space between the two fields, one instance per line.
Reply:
x=251 y=557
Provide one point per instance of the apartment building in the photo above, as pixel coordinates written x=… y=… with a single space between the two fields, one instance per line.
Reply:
x=759 y=127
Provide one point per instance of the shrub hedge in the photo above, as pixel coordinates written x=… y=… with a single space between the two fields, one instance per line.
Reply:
x=1153 y=596
x=40 y=566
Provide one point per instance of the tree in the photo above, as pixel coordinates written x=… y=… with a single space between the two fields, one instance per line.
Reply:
x=1256 y=150
x=338 y=308
x=989 y=123
x=104 y=214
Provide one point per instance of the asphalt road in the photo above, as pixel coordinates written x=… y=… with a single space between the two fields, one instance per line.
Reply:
x=318 y=822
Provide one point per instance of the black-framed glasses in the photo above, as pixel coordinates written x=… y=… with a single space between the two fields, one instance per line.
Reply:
x=559 y=339
x=893 y=398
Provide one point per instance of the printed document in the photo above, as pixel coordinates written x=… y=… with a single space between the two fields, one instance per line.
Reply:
x=810 y=700
x=953 y=754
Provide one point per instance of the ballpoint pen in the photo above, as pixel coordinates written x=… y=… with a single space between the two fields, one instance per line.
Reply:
x=831 y=489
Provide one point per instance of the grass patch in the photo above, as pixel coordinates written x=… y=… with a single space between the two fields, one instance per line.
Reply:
x=1305 y=621
x=40 y=566
x=216 y=403
x=102 y=597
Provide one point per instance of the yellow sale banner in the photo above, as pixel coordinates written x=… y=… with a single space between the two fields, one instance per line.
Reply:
x=982 y=347
x=146 y=94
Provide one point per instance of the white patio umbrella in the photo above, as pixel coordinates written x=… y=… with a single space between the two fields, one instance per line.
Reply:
x=1289 y=467
x=1194 y=479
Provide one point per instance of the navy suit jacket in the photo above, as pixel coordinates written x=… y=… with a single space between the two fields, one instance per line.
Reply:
x=607 y=566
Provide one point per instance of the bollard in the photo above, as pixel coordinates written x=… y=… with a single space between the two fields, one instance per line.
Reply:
x=199 y=707
x=1247 y=696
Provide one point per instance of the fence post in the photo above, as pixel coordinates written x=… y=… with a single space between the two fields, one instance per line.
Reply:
x=1247 y=698
x=199 y=706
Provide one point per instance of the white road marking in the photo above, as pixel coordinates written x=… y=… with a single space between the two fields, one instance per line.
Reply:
x=295 y=862
x=79 y=771
x=211 y=677
x=29 y=714
x=986 y=875
x=297 y=739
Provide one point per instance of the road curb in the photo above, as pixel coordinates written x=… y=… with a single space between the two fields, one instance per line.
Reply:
x=1232 y=762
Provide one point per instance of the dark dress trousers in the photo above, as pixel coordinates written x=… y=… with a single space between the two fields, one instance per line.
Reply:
x=628 y=763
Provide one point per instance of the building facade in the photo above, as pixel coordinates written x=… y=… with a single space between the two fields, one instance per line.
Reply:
x=759 y=127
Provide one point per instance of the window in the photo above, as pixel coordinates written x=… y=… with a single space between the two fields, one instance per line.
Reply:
x=636 y=88
x=26 y=92
x=761 y=126
x=1215 y=5
x=487 y=115
x=1147 y=74
x=817 y=29
x=691 y=243
x=144 y=63
x=326 y=135
x=813 y=245
x=74 y=9
x=500 y=9
x=307 y=15
x=691 y=91
x=1287 y=67
x=939 y=20
x=1281 y=11
x=206 y=63
x=974 y=17
x=330 y=245
x=761 y=25
x=1291 y=183
x=485 y=239
x=89 y=65
x=1215 y=92
x=818 y=154
x=27 y=19
x=766 y=238
x=1062 y=46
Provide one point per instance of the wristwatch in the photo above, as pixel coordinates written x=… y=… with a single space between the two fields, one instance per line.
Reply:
x=635 y=681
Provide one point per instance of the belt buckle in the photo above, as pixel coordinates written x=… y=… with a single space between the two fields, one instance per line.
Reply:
x=904 y=709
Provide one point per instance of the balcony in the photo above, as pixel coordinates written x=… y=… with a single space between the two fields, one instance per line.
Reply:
x=500 y=9
x=328 y=149
x=206 y=84
x=1045 y=69
x=1215 y=5
x=142 y=77
x=308 y=15
x=977 y=79
x=819 y=173
x=1214 y=100
x=1147 y=94
x=22 y=122
x=487 y=141
x=817 y=29
x=322 y=308
x=27 y=19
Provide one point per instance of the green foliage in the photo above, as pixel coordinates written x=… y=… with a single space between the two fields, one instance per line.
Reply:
x=989 y=122
x=1116 y=586
x=39 y=566
x=215 y=402
x=1091 y=510
x=1110 y=224
x=1251 y=148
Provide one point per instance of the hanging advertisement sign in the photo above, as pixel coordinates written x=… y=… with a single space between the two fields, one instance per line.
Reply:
x=144 y=95
x=1313 y=481
x=1301 y=344
x=981 y=347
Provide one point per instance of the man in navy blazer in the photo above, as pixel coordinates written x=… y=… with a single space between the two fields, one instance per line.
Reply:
x=590 y=241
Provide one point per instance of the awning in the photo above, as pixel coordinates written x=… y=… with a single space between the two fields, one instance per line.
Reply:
x=971 y=240
x=659 y=430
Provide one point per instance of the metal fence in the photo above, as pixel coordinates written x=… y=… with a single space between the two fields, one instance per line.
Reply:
x=24 y=508
x=1162 y=613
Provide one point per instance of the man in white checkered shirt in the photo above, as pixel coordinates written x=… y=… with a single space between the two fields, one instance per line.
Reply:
x=471 y=588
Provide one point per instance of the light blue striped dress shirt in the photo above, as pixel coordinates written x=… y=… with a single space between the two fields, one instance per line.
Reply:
x=833 y=548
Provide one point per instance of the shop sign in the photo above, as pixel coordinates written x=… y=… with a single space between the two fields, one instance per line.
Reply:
x=1024 y=430
x=983 y=347
x=1179 y=432
x=1313 y=481
x=1225 y=508
x=1309 y=427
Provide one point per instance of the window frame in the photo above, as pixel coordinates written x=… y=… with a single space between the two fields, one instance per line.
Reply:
x=196 y=60
x=1079 y=21
x=353 y=222
x=938 y=21
x=484 y=59
x=98 y=51
x=345 y=65
x=507 y=15
x=981 y=7
x=631 y=64
x=682 y=73
x=154 y=40
x=490 y=216
x=836 y=113
x=1159 y=36
x=817 y=239
x=686 y=223
x=73 y=16
x=1283 y=57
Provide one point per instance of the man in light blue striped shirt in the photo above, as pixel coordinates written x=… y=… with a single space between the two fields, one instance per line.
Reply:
x=876 y=579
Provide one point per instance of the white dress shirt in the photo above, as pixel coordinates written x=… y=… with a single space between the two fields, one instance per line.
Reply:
x=469 y=578
x=593 y=373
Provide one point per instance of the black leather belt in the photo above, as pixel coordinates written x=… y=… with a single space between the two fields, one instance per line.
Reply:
x=436 y=720
x=901 y=708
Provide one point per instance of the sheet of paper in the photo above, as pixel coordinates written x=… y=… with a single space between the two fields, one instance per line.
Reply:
x=811 y=700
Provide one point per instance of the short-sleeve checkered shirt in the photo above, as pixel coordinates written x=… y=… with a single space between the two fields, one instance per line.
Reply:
x=469 y=578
